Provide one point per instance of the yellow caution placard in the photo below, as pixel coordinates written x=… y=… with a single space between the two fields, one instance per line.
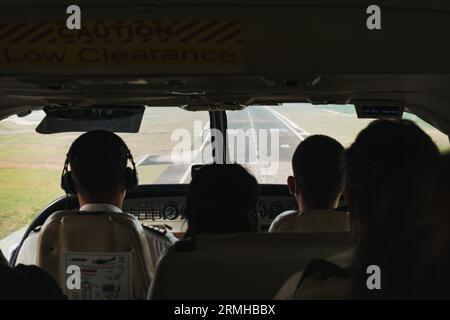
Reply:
x=175 y=42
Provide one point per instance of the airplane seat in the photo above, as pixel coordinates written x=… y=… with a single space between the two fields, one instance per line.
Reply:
x=312 y=221
x=239 y=266
x=110 y=249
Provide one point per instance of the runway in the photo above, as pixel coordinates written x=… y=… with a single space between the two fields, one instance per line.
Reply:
x=260 y=120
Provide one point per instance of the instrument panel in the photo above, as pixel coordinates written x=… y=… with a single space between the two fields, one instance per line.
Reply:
x=167 y=212
x=154 y=206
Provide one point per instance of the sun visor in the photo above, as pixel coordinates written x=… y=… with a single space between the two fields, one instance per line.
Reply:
x=97 y=117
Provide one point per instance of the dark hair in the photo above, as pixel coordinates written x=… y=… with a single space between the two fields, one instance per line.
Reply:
x=382 y=150
x=222 y=198
x=318 y=170
x=98 y=160
x=409 y=239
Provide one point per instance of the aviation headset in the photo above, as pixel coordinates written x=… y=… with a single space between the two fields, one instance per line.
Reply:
x=131 y=176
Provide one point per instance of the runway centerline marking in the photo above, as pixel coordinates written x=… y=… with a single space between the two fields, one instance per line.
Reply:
x=254 y=135
x=288 y=123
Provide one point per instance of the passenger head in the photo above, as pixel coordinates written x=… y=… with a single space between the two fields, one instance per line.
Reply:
x=409 y=239
x=382 y=150
x=318 y=173
x=99 y=172
x=222 y=199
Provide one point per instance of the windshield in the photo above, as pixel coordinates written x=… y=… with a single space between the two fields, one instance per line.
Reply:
x=169 y=142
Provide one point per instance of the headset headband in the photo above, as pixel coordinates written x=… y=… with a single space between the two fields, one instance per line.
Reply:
x=131 y=173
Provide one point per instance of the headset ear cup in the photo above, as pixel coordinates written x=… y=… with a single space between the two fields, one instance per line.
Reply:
x=63 y=182
x=132 y=180
x=67 y=183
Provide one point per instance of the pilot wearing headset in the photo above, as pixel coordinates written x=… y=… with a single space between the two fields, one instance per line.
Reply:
x=99 y=177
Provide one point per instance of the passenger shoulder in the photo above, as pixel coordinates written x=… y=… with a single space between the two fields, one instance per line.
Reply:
x=281 y=219
x=160 y=234
x=36 y=282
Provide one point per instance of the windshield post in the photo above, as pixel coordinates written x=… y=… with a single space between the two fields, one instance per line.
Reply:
x=218 y=121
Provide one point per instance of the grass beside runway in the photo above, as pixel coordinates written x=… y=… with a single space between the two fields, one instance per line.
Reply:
x=23 y=195
x=149 y=174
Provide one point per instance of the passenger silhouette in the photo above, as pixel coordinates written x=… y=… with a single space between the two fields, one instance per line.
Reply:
x=27 y=283
x=222 y=198
x=408 y=238
x=317 y=185
x=377 y=158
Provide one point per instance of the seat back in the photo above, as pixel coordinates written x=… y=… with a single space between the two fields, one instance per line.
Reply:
x=240 y=266
x=109 y=248
x=315 y=221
